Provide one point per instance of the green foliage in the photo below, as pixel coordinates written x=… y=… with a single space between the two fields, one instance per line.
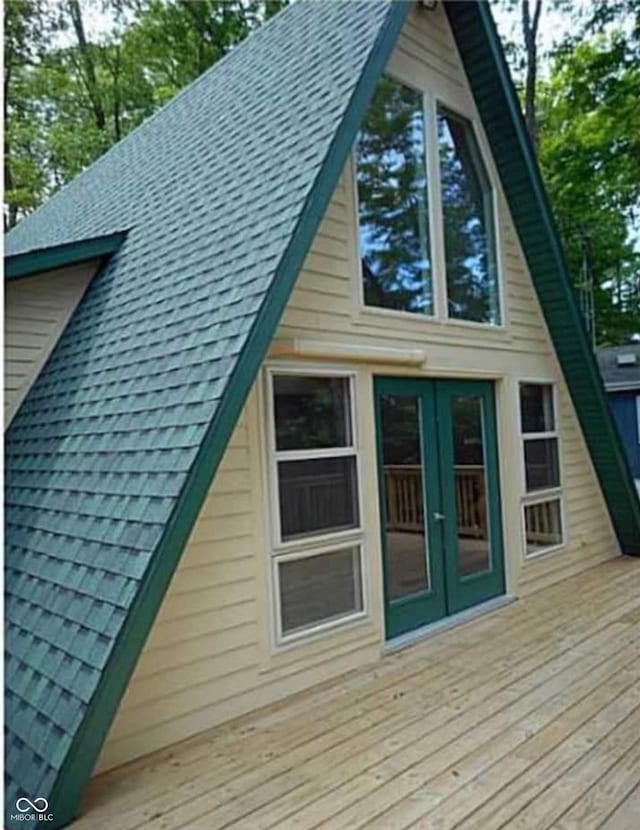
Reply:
x=69 y=97
x=590 y=155
x=588 y=127
x=27 y=25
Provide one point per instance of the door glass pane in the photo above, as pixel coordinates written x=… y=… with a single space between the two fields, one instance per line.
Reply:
x=405 y=536
x=472 y=521
x=393 y=212
x=318 y=495
x=469 y=233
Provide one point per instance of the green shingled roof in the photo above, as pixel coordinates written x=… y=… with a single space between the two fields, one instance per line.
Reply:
x=111 y=453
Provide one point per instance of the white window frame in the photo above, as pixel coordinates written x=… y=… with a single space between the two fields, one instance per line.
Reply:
x=550 y=493
x=322 y=542
x=326 y=625
x=439 y=101
x=440 y=305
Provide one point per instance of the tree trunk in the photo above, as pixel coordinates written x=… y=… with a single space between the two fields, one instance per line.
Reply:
x=11 y=211
x=88 y=65
x=530 y=26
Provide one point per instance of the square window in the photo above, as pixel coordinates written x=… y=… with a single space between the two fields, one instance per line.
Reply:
x=542 y=468
x=317 y=495
x=311 y=412
x=314 y=462
x=319 y=589
x=543 y=526
x=540 y=443
x=536 y=407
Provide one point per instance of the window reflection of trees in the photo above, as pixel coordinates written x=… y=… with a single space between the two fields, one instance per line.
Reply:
x=393 y=202
x=391 y=173
x=468 y=223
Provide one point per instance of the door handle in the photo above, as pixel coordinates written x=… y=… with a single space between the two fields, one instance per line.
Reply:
x=439 y=517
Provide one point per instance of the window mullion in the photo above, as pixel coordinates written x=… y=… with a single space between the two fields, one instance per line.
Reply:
x=538 y=436
x=309 y=455
x=436 y=218
x=538 y=496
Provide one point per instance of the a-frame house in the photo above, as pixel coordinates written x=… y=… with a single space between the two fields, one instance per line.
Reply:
x=294 y=373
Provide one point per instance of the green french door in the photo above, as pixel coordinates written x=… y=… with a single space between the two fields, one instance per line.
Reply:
x=439 y=498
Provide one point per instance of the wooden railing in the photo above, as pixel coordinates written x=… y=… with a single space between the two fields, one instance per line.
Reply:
x=471 y=502
x=318 y=501
x=542 y=523
x=404 y=499
x=404 y=503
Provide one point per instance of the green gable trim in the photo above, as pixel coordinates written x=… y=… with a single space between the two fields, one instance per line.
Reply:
x=497 y=102
x=90 y=738
x=60 y=256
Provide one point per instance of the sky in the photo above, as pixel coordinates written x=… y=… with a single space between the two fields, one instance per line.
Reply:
x=554 y=25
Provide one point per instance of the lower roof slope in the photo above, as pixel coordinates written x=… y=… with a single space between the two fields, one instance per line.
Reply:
x=620 y=366
x=221 y=193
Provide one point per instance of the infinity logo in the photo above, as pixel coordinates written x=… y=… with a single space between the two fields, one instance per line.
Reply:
x=38 y=805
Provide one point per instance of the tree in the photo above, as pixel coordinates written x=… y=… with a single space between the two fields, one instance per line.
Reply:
x=583 y=116
x=69 y=97
x=590 y=157
x=530 y=26
x=28 y=25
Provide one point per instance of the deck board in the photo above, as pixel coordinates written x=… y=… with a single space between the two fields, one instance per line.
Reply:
x=527 y=718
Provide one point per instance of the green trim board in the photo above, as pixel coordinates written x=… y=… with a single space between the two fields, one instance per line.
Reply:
x=59 y=256
x=418 y=608
x=486 y=68
x=133 y=411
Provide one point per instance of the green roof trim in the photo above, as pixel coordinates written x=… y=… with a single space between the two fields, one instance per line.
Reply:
x=60 y=256
x=495 y=96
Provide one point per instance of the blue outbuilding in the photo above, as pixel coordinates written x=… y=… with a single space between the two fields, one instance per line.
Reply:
x=620 y=368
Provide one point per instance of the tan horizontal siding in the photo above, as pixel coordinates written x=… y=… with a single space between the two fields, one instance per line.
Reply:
x=37 y=310
x=206 y=659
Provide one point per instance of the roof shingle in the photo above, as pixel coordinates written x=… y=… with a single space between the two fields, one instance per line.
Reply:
x=210 y=190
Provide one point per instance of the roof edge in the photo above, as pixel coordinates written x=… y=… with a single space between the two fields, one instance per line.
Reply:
x=104 y=704
x=561 y=313
x=59 y=256
x=628 y=386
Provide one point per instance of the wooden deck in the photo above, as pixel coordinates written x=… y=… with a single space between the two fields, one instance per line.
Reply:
x=527 y=718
